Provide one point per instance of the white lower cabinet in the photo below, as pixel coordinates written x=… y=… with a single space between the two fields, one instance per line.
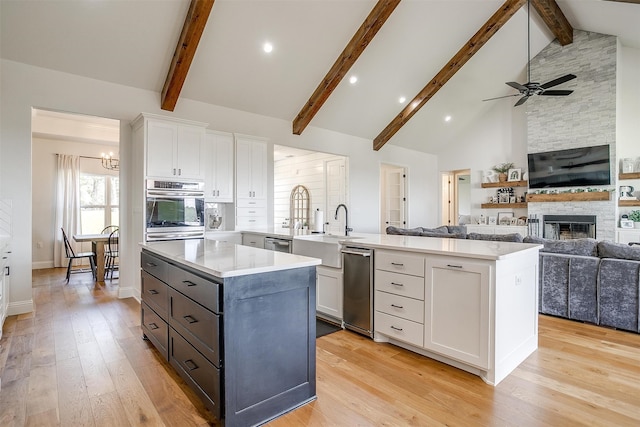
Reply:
x=457 y=309
x=628 y=235
x=329 y=292
x=254 y=240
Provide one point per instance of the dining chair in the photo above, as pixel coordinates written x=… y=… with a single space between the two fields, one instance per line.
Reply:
x=70 y=253
x=111 y=254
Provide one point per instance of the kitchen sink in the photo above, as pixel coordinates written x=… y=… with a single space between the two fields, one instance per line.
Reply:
x=323 y=246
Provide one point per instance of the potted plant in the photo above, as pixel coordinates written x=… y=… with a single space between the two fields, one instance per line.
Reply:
x=502 y=170
x=635 y=217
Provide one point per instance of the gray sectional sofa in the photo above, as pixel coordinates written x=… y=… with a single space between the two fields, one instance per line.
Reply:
x=581 y=279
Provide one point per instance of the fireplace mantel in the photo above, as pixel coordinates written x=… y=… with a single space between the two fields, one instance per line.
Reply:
x=586 y=196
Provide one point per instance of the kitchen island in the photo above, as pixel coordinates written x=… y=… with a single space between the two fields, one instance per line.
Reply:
x=237 y=323
x=469 y=303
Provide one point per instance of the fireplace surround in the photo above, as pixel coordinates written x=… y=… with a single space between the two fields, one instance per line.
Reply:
x=566 y=227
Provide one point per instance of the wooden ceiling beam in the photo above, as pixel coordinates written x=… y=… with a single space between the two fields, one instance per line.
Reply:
x=360 y=40
x=551 y=14
x=192 y=30
x=502 y=15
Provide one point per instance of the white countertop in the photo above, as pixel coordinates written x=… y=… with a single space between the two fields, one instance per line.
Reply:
x=481 y=249
x=223 y=259
x=282 y=233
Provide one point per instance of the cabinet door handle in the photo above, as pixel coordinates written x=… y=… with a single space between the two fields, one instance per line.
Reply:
x=396 y=306
x=153 y=292
x=454 y=266
x=189 y=319
x=151 y=264
x=397 y=264
x=153 y=326
x=189 y=283
x=190 y=364
x=397 y=329
x=174 y=171
x=396 y=284
x=179 y=171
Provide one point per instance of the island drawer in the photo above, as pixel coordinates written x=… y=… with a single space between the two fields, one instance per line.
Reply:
x=406 y=308
x=400 y=262
x=197 y=371
x=199 y=325
x=155 y=329
x=400 y=329
x=399 y=284
x=155 y=294
x=154 y=266
x=204 y=291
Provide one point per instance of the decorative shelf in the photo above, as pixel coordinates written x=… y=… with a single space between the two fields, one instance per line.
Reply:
x=522 y=205
x=632 y=175
x=587 y=196
x=505 y=184
x=628 y=202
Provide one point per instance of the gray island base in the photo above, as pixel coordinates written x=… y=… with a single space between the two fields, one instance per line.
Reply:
x=236 y=323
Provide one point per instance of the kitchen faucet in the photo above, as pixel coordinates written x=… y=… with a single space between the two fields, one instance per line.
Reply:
x=346 y=218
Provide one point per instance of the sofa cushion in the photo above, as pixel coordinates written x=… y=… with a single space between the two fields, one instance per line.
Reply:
x=513 y=237
x=584 y=247
x=439 y=230
x=404 y=231
x=457 y=229
x=618 y=250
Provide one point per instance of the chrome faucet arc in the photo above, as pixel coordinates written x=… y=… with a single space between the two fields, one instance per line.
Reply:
x=346 y=218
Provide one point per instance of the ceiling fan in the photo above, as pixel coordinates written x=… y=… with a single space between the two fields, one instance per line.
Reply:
x=531 y=88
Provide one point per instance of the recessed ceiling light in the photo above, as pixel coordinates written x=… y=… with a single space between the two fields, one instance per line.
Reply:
x=353 y=80
x=402 y=99
x=447 y=118
x=267 y=47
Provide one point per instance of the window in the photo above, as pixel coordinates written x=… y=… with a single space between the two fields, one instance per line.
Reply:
x=99 y=200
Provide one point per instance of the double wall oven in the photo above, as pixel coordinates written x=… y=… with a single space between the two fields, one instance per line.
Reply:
x=174 y=210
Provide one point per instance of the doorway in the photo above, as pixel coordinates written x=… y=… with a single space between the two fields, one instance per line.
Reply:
x=393 y=197
x=456 y=197
x=88 y=138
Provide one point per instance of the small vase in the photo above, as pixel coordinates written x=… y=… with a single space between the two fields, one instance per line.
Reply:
x=502 y=177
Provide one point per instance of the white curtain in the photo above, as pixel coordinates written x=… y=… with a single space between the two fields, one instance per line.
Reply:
x=67 y=205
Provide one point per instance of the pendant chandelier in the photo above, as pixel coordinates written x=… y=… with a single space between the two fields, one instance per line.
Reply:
x=109 y=162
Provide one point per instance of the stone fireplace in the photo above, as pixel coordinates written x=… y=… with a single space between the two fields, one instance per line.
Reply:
x=566 y=227
x=585 y=118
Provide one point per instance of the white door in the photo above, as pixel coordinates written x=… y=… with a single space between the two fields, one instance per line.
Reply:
x=259 y=169
x=190 y=152
x=223 y=172
x=243 y=169
x=393 y=200
x=162 y=139
x=336 y=192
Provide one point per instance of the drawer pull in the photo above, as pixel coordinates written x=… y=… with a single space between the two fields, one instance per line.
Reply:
x=190 y=364
x=153 y=292
x=396 y=306
x=397 y=264
x=189 y=319
x=189 y=283
x=153 y=326
x=397 y=329
x=396 y=284
x=454 y=266
x=151 y=264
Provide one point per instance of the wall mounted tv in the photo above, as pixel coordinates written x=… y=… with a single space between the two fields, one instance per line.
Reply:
x=574 y=167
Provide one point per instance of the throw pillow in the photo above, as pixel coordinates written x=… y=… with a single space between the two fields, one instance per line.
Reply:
x=618 y=250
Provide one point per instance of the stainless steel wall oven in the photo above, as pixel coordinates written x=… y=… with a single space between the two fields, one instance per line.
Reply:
x=174 y=210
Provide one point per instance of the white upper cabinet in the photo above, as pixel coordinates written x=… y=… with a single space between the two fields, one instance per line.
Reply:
x=174 y=150
x=218 y=181
x=251 y=170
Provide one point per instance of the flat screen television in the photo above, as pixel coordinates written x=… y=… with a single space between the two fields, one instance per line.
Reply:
x=574 y=167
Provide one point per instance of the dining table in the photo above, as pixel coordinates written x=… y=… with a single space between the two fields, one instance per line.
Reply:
x=98 y=241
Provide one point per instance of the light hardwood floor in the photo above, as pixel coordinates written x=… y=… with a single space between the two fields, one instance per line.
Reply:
x=79 y=360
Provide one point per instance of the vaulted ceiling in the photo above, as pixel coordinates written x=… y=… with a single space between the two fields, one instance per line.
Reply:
x=133 y=42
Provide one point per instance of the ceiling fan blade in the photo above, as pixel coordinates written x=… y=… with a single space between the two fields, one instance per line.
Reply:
x=517 y=86
x=557 y=92
x=500 y=97
x=522 y=100
x=558 y=81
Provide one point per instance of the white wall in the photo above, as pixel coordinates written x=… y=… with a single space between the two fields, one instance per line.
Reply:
x=44 y=163
x=24 y=87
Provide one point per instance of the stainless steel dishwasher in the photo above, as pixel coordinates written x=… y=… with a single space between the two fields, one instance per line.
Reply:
x=358 y=289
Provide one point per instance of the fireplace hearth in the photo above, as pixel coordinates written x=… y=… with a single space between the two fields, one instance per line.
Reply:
x=566 y=227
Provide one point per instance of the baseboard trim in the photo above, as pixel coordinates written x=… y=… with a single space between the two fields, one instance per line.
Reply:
x=20 y=307
x=128 y=293
x=39 y=265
